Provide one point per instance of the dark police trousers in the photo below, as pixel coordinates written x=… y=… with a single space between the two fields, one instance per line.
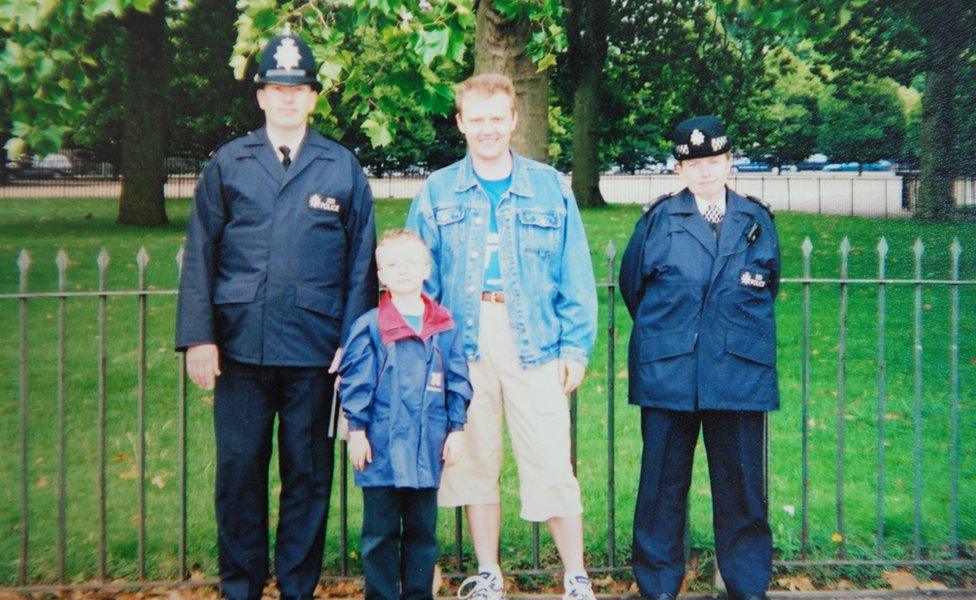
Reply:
x=246 y=401
x=399 y=563
x=743 y=542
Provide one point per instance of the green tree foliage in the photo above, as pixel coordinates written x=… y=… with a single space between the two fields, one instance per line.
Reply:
x=863 y=121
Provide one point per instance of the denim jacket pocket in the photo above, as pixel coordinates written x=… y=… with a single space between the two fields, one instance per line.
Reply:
x=539 y=231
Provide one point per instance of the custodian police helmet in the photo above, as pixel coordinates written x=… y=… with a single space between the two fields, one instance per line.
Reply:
x=699 y=137
x=287 y=60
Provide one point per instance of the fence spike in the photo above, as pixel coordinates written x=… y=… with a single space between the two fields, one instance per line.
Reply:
x=845 y=246
x=23 y=260
x=956 y=248
x=103 y=259
x=807 y=247
x=61 y=260
x=882 y=247
x=918 y=248
x=142 y=258
x=179 y=259
x=611 y=250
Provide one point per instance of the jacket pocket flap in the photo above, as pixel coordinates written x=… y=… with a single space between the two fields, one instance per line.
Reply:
x=448 y=215
x=317 y=301
x=539 y=219
x=667 y=345
x=751 y=347
x=235 y=293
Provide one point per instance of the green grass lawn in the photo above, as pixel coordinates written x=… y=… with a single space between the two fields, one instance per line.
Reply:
x=83 y=227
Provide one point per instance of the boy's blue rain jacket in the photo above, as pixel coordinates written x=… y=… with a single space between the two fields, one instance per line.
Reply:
x=407 y=391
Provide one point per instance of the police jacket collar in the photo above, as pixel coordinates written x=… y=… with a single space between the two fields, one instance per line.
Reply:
x=314 y=146
x=394 y=328
x=466 y=178
x=737 y=211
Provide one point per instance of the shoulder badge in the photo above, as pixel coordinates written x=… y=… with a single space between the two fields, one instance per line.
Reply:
x=650 y=205
x=224 y=143
x=766 y=205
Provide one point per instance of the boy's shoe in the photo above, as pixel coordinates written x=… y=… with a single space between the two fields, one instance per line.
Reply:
x=579 y=588
x=483 y=586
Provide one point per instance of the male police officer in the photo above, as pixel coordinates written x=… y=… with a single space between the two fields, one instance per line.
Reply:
x=699 y=277
x=278 y=265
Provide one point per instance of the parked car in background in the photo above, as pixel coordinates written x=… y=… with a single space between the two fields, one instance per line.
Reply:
x=52 y=166
x=881 y=165
x=744 y=164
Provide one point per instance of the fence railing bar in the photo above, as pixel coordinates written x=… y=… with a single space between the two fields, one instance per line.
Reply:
x=845 y=249
x=62 y=262
x=918 y=249
x=181 y=393
x=807 y=249
x=343 y=507
x=102 y=262
x=956 y=252
x=23 y=264
x=458 y=539
x=599 y=284
x=882 y=397
x=142 y=260
x=611 y=401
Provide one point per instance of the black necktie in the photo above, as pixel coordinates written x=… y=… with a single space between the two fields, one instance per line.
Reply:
x=285 y=159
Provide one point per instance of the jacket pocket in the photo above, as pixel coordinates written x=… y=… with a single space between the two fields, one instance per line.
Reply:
x=751 y=347
x=539 y=231
x=314 y=300
x=667 y=345
x=235 y=293
x=448 y=215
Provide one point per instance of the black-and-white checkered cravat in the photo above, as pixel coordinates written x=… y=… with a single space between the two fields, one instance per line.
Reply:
x=713 y=214
x=285 y=158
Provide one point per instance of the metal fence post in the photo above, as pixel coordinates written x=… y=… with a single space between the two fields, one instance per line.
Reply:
x=102 y=261
x=807 y=249
x=918 y=249
x=62 y=262
x=845 y=250
x=23 y=264
x=611 y=417
x=142 y=260
x=882 y=396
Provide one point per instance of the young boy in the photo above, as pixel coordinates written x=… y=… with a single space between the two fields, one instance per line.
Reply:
x=405 y=393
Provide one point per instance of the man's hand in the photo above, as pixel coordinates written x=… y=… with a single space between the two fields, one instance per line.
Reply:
x=203 y=365
x=570 y=375
x=334 y=367
x=360 y=453
x=453 y=446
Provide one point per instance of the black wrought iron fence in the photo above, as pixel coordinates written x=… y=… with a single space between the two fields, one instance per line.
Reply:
x=81 y=517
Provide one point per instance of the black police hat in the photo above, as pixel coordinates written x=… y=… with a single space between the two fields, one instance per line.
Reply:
x=699 y=137
x=287 y=60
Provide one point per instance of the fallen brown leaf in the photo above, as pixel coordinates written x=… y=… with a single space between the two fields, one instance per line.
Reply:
x=900 y=580
x=932 y=585
x=799 y=583
x=159 y=482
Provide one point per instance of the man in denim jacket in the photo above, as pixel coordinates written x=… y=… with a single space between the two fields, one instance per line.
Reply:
x=513 y=266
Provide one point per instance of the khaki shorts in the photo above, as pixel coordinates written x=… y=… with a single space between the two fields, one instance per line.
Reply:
x=537 y=414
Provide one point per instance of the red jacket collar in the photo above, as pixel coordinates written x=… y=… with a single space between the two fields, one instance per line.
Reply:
x=394 y=328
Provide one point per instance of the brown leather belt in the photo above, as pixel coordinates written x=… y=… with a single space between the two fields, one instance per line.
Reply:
x=493 y=297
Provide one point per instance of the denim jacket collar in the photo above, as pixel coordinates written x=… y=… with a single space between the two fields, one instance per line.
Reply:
x=521 y=186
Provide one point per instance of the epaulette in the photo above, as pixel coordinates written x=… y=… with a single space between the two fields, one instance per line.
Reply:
x=766 y=205
x=656 y=201
x=224 y=143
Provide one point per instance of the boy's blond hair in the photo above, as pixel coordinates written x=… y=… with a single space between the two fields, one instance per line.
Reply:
x=484 y=85
x=401 y=236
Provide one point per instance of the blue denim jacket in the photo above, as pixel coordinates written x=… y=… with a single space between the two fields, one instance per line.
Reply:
x=547 y=272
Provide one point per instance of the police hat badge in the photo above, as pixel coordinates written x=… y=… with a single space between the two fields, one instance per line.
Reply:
x=699 y=137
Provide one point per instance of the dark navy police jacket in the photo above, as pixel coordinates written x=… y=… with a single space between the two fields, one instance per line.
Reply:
x=278 y=263
x=406 y=390
x=704 y=333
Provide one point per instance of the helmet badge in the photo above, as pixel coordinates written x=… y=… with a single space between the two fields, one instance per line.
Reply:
x=287 y=55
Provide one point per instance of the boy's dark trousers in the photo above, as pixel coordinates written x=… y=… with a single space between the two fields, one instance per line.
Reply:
x=399 y=563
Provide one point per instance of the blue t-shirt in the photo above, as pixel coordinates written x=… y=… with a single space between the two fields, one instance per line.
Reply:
x=495 y=188
x=415 y=321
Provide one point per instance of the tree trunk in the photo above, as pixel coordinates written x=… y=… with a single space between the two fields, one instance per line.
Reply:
x=938 y=136
x=500 y=48
x=144 y=120
x=587 y=31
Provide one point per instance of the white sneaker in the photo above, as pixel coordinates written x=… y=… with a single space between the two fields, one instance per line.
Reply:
x=579 y=589
x=483 y=586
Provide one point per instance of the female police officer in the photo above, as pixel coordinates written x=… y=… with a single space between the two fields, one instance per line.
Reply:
x=699 y=277
x=278 y=265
